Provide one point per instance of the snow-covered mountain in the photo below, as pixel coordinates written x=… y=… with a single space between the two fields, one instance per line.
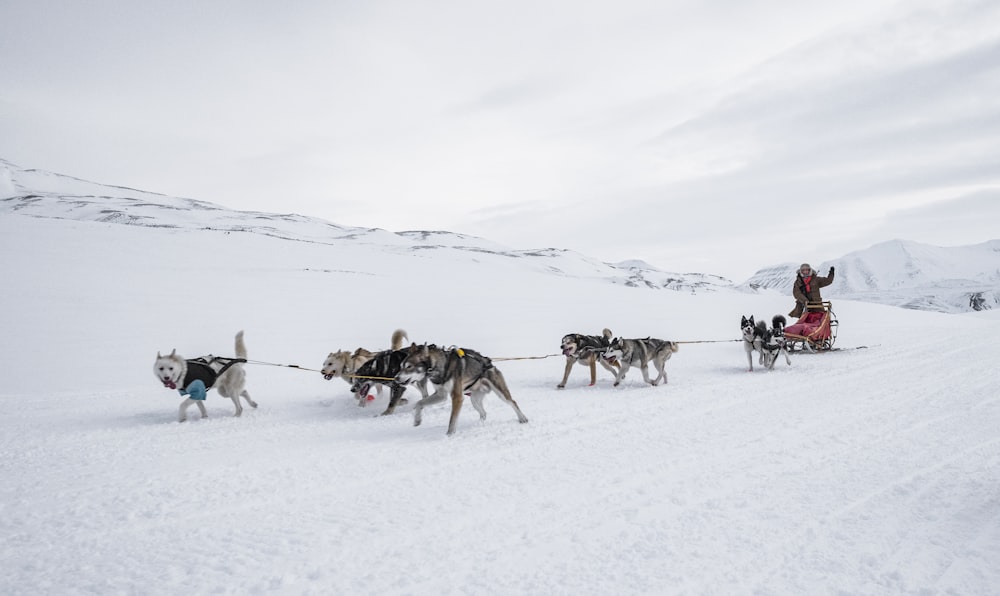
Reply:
x=49 y=195
x=897 y=273
x=906 y=274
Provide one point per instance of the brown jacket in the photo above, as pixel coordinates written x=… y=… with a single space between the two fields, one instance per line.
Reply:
x=812 y=294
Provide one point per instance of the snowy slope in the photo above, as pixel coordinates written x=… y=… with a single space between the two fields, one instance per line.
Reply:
x=869 y=471
x=907 y=274
x=48 y=195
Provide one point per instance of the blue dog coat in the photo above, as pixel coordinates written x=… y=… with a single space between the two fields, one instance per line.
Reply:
x=196 y=390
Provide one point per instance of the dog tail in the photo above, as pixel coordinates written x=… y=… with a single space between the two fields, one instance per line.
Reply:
x=778 y=322
x=397 y=339
x=674 y=346
x=241 y=348
x=607 y=333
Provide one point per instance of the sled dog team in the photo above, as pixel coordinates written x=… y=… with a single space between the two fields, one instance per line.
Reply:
x=454 y=372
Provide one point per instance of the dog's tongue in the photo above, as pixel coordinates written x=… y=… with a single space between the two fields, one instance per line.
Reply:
x=170 y=384
x=327 y=377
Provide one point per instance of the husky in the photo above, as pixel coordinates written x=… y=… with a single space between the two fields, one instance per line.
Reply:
x=753 y=339
x=770 y=343
x=774 y=343
x=454 y=372
x=381 y=369
x=585 y=349
x=640 y=352
x=195 y=377
x=343 y=363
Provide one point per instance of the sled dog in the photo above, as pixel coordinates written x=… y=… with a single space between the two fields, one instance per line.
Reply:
x=381 y=370
x=196 y=376
x=585 y=349
x=640 y=352
x=454 y=372
x=774 y=342
x=343 y=363
x=770 y=343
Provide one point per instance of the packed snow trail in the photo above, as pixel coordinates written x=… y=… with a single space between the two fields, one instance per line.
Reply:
x=864 y=471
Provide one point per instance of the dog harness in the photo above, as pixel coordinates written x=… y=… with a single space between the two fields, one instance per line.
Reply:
x=485 y=362
x=201 y=376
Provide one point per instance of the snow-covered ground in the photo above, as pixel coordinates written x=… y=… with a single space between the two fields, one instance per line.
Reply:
x=868 y=471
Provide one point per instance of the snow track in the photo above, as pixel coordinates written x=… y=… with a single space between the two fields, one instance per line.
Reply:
x=863 y=472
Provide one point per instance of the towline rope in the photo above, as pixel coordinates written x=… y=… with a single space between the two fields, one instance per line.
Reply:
x=282 y=365
x=296 y=366
x=526 y=357
x=314 y=370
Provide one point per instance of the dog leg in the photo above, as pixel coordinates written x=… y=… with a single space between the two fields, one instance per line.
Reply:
x=593 y=369
x=570 y=361
x=612 y=368
x=750 y=360
x=397 y=392
x=644 y=367
x=499 y=384
x=621 y=373
x=182 y=413
x=239 y=406
x=246 y=396
x=456 y=404
x=477 y=402
x=784 y=351
x=438 y=396
x=660 y=368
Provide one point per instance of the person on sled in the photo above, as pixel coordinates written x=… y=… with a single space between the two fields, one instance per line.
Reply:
x=806 y=288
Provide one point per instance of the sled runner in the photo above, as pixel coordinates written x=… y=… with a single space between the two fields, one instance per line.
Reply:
x=816 y=329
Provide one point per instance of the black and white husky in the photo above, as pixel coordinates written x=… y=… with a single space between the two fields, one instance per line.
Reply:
x=640 y=352
x=382 y=369
x=345 y=365
x=770 y=343
x=195 y=377
x=454 y=372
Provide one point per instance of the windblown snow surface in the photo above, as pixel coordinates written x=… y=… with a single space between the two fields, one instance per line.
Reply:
x=867 y=471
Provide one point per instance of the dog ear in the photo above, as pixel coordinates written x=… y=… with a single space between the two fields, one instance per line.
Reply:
x=173 y=352
x=158 y=355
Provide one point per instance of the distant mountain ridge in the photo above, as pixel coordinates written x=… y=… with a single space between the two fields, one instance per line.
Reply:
x=906 y=274
x=898 y=272
x=38 y=193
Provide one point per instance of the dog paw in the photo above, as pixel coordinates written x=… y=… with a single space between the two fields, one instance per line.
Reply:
x=560 y=386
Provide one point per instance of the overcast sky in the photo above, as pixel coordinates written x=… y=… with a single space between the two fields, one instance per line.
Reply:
x=709 y=136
